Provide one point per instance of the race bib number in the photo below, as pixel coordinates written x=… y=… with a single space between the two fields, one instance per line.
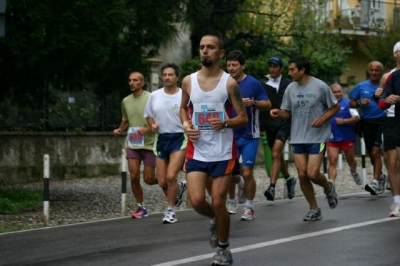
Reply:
x=135 y=138
x=202 y=113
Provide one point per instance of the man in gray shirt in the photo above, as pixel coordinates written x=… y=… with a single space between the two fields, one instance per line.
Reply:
x=311 y=104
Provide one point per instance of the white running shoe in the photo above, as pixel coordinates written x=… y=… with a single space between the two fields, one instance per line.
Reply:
x=395 y=207
x=182 y=186
x=313 y=215
x=169 y=217
x=222 y=257
x=232 y=206
x=332 y=196
x=372 y=188
x=383 y=178
x=357 y=178
x=248 y=214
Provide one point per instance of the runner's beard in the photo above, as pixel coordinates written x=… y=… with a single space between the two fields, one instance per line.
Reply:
x=206 y=62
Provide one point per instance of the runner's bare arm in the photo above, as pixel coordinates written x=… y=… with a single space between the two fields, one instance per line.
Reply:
x=122 y=127
x=153 y=125
x=275 y=113
x=183 y=112
x=192 y=134
x=236 y=99
x=327 y=116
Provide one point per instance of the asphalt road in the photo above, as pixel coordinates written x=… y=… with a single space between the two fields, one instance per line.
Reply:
x=357 y=232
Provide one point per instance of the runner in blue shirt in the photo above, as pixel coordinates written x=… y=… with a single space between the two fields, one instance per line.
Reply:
x=372 y=123
x=247 y=138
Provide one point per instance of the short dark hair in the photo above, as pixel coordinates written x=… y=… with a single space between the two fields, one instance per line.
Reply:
x=301 y=62
x=220 y=42
x=175 y=67
x=236 y=55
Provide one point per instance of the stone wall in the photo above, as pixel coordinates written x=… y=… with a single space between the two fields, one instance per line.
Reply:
x=72 y=155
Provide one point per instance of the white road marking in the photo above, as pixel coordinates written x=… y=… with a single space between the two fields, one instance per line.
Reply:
x=278 y=241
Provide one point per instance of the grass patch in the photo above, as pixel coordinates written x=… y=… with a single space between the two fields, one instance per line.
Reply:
x=12 y=228
x=15 y=200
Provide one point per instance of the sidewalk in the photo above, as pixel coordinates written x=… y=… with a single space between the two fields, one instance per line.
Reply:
x=93 y=199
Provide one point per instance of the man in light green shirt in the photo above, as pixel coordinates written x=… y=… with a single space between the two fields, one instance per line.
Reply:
x=139 y=141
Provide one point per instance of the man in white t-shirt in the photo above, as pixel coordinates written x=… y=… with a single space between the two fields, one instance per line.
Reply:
x=162 y=114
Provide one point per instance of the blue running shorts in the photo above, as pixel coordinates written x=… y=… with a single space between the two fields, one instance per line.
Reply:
x=213 y=169
x=169 y=143
x=309 y=148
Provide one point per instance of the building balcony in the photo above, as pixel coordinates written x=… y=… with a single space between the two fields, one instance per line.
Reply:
x=362 y=17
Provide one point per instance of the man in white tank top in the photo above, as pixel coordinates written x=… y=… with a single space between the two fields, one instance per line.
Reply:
x=208 y=97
